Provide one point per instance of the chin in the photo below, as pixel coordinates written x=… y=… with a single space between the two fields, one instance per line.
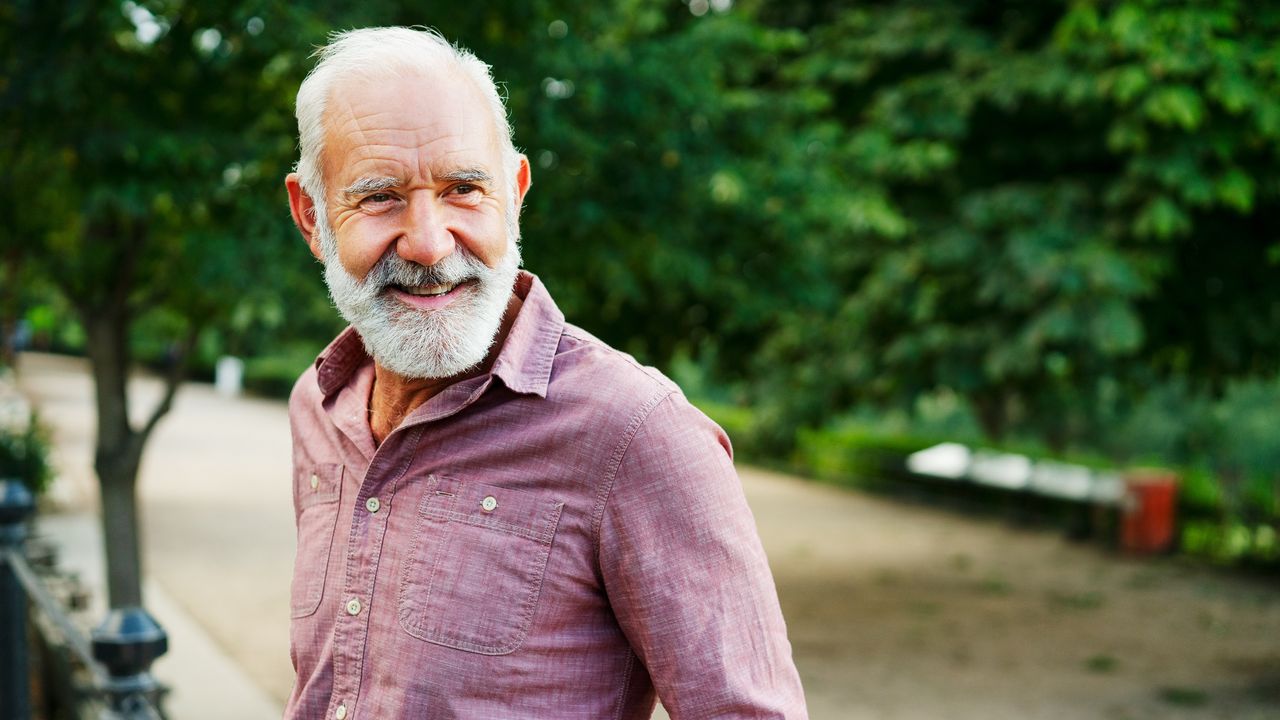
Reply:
x=431 y=344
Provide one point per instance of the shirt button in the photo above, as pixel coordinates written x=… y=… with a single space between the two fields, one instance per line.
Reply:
x=372 y=504
x=489 y=504
x=341 y=712
x=353 y=607
x=315 y=481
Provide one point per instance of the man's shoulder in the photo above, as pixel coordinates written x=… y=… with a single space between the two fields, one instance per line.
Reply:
x=631 y=400
x=587 y=364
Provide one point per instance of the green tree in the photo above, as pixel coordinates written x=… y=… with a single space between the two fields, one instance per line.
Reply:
x=144 y=136
x=1056 y=205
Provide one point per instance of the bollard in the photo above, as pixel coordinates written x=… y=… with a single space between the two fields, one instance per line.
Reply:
x=228 y=376
x=16 y=505
x=1149 y=519
x=126 y=643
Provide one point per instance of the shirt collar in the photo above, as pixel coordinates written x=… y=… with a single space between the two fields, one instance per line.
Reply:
x=339 y=360
x=523 y=364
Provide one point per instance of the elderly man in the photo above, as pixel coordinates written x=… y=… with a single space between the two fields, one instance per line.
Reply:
x=498 y=515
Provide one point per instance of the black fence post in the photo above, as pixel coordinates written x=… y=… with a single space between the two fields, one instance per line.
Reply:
x=126 y=643
x=16 y=505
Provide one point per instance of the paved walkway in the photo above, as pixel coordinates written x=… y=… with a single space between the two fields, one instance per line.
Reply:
x=205 y=681
x=894 y=611
x=217 y=534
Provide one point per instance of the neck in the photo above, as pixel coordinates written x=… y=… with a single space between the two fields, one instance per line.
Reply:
x=394 y=396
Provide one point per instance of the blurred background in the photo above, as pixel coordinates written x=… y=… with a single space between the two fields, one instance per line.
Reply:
x=1043 y=236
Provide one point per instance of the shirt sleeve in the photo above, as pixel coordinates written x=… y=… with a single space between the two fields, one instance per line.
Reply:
x=687 y=577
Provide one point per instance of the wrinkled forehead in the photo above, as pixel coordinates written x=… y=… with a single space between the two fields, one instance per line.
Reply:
x=390 y=111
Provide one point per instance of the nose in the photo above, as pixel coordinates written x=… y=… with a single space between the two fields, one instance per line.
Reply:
x=427 y=238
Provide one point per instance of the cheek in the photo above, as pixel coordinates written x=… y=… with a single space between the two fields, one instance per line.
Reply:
x=486 y=238
x=361 y=245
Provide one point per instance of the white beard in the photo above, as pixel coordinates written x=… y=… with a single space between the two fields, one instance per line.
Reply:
x=416 y=343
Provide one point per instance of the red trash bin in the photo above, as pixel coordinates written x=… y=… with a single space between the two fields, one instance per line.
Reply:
x=1149 y=515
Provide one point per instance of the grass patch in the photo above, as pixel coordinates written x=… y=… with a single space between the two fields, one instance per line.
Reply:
x=1089 y=600
x=925 y=609
x=995 y=586
x=1101 y=664
x=1184 y=697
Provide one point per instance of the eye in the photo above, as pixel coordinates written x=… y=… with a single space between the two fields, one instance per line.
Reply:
x=466 y=194
x=379 y=201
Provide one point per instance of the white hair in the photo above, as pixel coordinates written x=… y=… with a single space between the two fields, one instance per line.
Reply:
x=378 y=52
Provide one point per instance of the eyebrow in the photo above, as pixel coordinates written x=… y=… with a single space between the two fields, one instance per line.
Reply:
x=366 y=185
x=475 y=175
x=373 y=184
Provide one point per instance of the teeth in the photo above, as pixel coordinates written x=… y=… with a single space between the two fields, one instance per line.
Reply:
x=429 y=290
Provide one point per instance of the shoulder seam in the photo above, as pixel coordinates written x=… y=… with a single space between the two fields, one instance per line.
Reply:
x=636 y=422
x=653 y=374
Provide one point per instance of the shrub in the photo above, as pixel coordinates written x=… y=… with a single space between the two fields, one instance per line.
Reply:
x=24 y=455
x=274 y=375
x=855 y=455
x=738 y=422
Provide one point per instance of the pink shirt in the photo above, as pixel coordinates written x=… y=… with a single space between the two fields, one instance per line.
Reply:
x=558 y=538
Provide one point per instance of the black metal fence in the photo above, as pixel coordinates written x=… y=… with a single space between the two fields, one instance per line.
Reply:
x=48 y=668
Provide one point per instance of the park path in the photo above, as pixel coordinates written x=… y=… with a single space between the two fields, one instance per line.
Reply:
x=894 y=611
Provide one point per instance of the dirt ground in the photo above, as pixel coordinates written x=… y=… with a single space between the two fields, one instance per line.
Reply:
x=909 y=612
x=894 y=610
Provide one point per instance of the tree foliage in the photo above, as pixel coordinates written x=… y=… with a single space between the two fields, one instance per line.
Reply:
x=1056 y=204
x=137 y=131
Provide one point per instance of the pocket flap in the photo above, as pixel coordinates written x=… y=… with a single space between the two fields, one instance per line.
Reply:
x=518 y=512
x=323 y=484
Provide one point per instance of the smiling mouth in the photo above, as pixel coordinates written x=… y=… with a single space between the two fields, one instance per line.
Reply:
x=427 y=290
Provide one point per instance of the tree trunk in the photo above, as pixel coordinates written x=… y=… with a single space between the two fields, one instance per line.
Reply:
x=118 y=480
x=992 y=411
x=118 y=453
x=119 y=444
x=9 y=301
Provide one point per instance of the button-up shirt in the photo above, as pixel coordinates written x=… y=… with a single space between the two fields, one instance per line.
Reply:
x=563 y=536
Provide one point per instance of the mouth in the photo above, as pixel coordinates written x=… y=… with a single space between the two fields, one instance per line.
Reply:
x=430 y=297
x=427 y=290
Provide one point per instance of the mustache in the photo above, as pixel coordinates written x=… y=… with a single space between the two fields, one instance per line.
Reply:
x=459 y=266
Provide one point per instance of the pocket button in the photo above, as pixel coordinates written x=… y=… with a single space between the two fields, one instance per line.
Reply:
x=489 y=504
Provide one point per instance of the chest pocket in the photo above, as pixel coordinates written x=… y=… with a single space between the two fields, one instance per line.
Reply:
x=474 y=572
x=318 y=493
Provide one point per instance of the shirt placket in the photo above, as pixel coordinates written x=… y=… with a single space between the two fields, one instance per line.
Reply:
x=372 y=507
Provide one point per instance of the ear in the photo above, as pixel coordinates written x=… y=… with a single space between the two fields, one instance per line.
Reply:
x=524 y=179
x=304 y=213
